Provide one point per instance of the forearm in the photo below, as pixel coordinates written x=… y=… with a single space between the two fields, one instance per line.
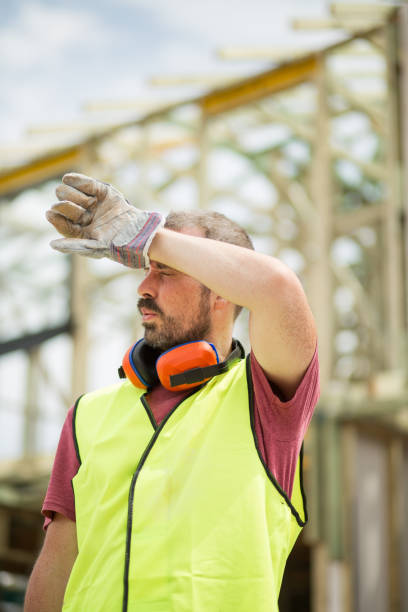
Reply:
x=45 y=591
x=282 y=330
x=240 y=275
x=49 y=578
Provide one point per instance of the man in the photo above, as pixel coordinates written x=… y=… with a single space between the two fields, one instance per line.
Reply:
x=189 y=499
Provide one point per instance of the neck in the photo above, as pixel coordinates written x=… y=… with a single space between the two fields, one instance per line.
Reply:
x=223 y=346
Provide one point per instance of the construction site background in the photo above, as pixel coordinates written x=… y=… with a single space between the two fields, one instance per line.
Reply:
x=311 y=157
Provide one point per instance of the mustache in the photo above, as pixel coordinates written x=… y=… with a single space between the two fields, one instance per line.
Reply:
x=150 y=304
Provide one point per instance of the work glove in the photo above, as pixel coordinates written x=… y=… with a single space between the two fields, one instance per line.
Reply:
x=97 y=221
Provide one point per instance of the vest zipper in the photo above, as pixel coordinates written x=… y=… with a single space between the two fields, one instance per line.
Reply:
x=132 y=494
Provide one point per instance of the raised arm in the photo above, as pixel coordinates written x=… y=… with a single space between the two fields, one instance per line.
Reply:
x=97 y=221
x=282 y=328
x=49 y=578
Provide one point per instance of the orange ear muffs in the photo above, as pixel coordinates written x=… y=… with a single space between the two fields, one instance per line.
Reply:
x=185 y=366
x=138 y=365
x=182 y=367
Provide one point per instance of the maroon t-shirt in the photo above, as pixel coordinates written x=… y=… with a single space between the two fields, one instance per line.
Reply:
x=279 y=429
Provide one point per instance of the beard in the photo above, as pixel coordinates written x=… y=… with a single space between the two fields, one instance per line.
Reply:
x=172 y=331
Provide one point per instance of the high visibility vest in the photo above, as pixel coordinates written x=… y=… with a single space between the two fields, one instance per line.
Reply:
x=181 y=517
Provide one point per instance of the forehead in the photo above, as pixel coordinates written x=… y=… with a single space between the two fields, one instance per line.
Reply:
x=192 y=231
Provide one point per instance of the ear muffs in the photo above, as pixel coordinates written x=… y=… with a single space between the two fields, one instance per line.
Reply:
x=139 y=365
x=182 y=367
x=186 y=365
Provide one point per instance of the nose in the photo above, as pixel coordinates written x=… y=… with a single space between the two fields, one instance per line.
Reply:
x=148 y=286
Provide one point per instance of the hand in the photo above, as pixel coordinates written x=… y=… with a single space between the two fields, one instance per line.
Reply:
x=97 y=221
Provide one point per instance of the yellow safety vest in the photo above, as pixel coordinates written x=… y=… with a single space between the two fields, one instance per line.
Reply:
x=183 y=517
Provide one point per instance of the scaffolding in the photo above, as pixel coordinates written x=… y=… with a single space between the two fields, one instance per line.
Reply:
x=311 y=158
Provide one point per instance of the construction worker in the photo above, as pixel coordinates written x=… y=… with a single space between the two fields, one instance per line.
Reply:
x=180 y=488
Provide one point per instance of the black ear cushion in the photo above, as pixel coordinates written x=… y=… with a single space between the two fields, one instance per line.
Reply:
x=144 y=360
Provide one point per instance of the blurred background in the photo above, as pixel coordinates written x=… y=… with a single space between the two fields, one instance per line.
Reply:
x=291 y=119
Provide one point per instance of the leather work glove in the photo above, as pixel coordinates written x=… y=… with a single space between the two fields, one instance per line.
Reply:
x=97 y=221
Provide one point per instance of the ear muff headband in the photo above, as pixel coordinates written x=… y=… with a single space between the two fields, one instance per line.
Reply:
x=198 y=375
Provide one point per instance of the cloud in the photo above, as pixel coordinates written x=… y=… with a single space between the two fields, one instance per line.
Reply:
x=56 y=55
x=44 y=33
x=234 y=21
x=52 y=58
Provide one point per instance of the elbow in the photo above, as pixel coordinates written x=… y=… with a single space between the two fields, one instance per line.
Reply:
x=280 y=282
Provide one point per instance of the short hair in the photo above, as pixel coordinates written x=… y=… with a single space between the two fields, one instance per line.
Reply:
x=214 y=225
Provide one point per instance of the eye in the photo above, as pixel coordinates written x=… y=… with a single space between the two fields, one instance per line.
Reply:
x=165 y=270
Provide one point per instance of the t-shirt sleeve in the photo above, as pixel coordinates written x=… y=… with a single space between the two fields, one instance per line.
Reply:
x=281 y=426
x=60 y=495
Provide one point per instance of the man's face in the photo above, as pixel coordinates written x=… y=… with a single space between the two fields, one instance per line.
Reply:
x=175 y=308
x=173 y=313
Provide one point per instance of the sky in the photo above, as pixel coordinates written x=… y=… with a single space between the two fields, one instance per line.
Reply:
x=57 y=55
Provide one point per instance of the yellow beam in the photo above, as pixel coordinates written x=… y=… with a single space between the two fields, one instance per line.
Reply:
x=46 y=167
x=256 y=87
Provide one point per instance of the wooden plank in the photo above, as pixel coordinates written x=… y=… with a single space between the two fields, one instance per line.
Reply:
x=320 y=277
x=345 y=23
x=80 y=316
x=31 y=404
x=319 y=578
x=4 y=530
x=392 y=228
x=346 y=223
x=404 y=542
x=397 y=522
x=259 y=86
x=348 y=485
x=357 y=102
x=370 y=533
x=39 y=170
x=403 y=117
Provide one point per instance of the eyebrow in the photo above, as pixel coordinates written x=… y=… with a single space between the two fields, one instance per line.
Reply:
x=161 y=266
